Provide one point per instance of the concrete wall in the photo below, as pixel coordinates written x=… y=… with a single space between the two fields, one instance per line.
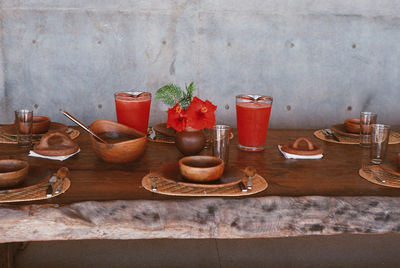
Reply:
x=322 y=61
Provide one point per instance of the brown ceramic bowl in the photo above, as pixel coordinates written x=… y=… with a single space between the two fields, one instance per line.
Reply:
x=12 y=172
x=352 y=125
x=41 y=124
x=124 y=144
x=201 y=168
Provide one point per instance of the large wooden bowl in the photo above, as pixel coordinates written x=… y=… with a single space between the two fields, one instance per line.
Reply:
x=117 y=151
x=201 y=168
x=12 y=172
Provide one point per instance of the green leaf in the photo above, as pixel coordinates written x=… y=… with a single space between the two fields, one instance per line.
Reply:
x=169 y=94
x=172 y=94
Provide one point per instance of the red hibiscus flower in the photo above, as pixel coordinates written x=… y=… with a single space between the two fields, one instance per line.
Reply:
x=200 y=114
x=176 y=118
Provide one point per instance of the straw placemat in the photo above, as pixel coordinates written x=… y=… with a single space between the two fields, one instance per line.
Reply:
x=12 y=140
x=375 y=174
x=155 y=183
x=34 y=192
x=393 y=139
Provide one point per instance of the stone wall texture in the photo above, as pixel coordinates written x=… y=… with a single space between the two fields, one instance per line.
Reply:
x=321 y=61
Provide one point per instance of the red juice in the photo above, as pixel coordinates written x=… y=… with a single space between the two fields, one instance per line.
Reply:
x=252 y=124
x=133 y=110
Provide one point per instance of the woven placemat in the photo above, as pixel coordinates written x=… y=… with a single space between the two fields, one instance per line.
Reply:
x=12 y=140
x=375 y=174
x=166 y=187
x=393 y=139
x=34 y=192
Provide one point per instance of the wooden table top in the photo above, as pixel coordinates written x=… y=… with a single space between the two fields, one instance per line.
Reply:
x=336 y=174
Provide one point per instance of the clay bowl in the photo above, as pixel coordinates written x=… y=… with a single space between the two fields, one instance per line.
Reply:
x=201 y=168
x=12 y=172
x=352 y=125
x=124 y=144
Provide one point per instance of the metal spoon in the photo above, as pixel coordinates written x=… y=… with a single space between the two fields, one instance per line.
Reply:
x=329 y=133
x=82 y=125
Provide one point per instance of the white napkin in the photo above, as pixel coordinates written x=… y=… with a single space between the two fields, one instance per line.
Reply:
x=296 y=156
x=59 y=158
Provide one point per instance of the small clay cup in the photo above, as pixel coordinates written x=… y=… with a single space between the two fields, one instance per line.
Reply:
x=120 y=152
x=201 y=168
x=352 y=125
x=12 y=172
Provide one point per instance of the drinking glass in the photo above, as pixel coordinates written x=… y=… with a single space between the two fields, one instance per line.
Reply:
x=252 y=114
x=366 y=120
x=220 y=142
x=133 y=109
x=379 y=142
x=23 y=126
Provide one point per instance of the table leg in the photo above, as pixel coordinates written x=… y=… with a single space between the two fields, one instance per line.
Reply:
x=7 y=254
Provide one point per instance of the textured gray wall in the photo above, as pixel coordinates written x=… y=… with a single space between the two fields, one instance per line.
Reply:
x=322 y=61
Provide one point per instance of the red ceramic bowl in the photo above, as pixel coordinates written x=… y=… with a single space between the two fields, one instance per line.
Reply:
x=352 y=125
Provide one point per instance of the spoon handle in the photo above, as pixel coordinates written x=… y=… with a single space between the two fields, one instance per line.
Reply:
x=82 y=125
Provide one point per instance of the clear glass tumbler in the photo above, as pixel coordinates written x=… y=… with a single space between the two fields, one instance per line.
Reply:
x=133 y=109
x=220 y=142
x=252 y=115
x=23 y=126
x=366 y=121
x=379 y=142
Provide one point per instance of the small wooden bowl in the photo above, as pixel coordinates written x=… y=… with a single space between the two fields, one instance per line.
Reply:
x=12 y=172
x=352 y=125
x=41 y=124
x=117 y=152
x=201 y=168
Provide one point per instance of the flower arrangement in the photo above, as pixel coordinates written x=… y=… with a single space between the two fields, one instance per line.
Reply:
x=187 y=111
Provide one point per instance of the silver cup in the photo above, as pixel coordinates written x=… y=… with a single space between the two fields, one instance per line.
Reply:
x=220 y=142
x=367 y=119
x=23 y=126
x=379 y=142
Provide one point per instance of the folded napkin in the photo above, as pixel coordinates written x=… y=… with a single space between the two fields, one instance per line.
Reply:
x=59 y=158
x=296 y=156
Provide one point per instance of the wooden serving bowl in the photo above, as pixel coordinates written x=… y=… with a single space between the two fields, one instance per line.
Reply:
x=41 y=124
x=201 y=168
x=117 y=150
x=12 y=172
x=352 y=125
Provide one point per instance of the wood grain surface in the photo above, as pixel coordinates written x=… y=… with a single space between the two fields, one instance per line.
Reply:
x=304 y=197
x=336 y=174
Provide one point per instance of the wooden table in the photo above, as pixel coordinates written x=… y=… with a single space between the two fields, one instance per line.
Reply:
x=304 y=197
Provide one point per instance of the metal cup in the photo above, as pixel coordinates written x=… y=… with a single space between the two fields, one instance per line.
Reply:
x=220 y=142
x=379 y=142
x=366 y=120
x=23 y=126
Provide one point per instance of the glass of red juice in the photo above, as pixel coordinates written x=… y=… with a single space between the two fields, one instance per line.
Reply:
x=252 y=114
x=133 y=109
